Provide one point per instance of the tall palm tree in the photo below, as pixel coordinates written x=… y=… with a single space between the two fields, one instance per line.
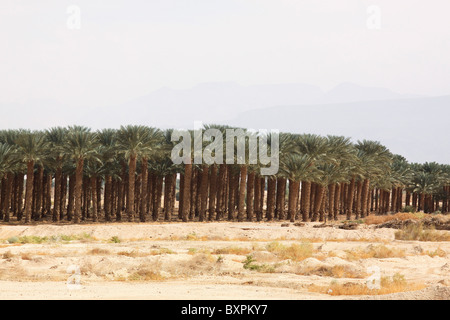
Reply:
x=56 y=138
x=6 y=163
x=31 y=150
x=134 y=141
x=79 y=146
x=375 y=159
x=296 y=168
x=316 y=148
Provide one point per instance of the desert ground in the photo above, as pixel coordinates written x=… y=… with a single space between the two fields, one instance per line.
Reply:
x=219 y=260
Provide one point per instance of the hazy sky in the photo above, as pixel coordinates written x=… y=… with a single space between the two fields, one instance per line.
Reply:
x=126 y=49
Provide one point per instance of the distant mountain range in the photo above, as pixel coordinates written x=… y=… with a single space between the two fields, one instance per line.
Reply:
x=415 y=128
x=411 y=125
x=219 y=101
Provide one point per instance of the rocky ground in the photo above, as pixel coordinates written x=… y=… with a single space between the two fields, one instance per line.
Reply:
x=219 y=260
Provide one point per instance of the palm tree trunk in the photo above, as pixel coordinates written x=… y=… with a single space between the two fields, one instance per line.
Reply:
x=29 y=191
x=351 y=195
x=78 y=190
x=232 y=186
x=48 y=201
x=38 y=193
x=221 y=185
x=271 y=198
x=157 y=198
x=332 y=195
x=20 y=197
x=57 y=194
x=203 y=191
x=186 y=191
x=358 y=208
x=337 y=201
x=94 y=198
x=131 y=186
x=8 y=191
x=250 y=196
x=85 y=199
x=257 y=197
x=167 y=196
x=294 y=188
x=306 y=197
x=193 y=194
x=107 y=204
x=320 y=191
x=144 y=193
x=365 y=198
x=212 y=192
x=241 y=202
x=281 y=199
x=181 y=197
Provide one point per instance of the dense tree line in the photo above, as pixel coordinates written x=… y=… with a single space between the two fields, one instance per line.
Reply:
x=75 y=174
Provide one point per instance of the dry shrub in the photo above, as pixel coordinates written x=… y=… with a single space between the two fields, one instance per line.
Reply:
x=26 y=256
x=138 y=254
x=418 y=232
x=377 y=252
x=194 y=237
x=295 y=252
x=436 y=253
x=399 y=216
x=199 y=264
x=387 y=285
x=233 y=250
x=8 y=255
x=99 y=251
x=338 y=271
x=161 y=251
x=145 y=273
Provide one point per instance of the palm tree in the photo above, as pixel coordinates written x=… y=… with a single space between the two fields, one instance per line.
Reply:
x=316 y=148
x=6 y=161
x=31 y=150
x=133 y=142
x=375 y=159
x=56 y=139
x=79 y=146
x=296 y=168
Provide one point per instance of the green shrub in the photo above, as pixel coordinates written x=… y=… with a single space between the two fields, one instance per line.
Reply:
x=13 y=240
x=409 y=209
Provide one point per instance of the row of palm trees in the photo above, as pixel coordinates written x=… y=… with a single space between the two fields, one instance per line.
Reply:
x=75 y=174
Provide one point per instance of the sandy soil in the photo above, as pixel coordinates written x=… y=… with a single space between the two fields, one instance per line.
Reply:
x=210 y=261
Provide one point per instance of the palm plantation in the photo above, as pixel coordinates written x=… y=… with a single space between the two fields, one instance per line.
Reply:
x=75 y=174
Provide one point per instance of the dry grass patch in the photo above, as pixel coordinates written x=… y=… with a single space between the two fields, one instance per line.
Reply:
x=339 y=271
x=8 y=255
x=418 y=232
x=233 y=250
x=26 y=256
x=198 y=264
x=295 y=252
x=399 y=216
x=144 y=273
x=377 y=252
x=194 y=251
x=394 y=284
x=99 y=251
x=194 y=237
x=436 y=253
x=161 y=251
